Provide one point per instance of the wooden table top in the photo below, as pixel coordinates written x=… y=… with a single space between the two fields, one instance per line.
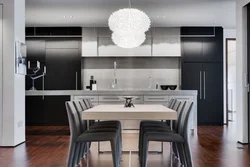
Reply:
x=139 y=112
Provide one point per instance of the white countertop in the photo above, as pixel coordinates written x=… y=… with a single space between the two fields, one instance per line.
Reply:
x=110 y=92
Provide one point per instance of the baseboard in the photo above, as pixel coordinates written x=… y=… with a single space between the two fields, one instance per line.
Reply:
x=12 y=146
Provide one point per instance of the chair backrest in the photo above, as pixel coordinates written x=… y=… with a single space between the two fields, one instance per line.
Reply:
x=172 y=104
x=176 y=105
x=79 y=110
x=87 y=103
x=82 y=103
x=74 y=123
x=90 y=103
x=179 y=114
x=183 y=125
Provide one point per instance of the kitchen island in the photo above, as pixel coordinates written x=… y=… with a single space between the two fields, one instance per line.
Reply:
x=112 y=96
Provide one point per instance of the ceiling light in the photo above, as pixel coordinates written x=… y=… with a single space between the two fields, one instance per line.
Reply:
x=129 y=20
x=128 y=41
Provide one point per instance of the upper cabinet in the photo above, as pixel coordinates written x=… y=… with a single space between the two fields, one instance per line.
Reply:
x=166 y=42
x=107 y=48
x=202 y=44
x=89 y=42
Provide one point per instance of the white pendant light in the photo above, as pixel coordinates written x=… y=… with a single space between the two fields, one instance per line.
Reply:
x=128 y=41
x=129 y=26
x=129 y=20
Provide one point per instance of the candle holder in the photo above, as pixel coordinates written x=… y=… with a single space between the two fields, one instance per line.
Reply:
x=34 y=76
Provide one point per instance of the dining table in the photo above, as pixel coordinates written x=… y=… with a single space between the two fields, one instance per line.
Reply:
x=138 y=112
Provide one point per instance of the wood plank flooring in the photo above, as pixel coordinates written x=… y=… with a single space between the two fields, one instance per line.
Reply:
x=48 y=147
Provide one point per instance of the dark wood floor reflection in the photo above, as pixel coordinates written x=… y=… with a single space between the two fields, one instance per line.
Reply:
x=48 y=147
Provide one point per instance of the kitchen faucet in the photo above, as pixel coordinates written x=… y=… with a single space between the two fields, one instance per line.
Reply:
x=114 y=83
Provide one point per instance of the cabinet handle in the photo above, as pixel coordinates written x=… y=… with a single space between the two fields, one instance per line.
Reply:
x=76 y=81
x=200 y=85
x=246 y=82
x=43 y=86
x=204 y=76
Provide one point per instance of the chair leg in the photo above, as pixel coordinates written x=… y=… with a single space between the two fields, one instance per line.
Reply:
x=114 y=152
x=144 y=153
x=180 y=153
x=188 y=155
x=71 y=154
x=77 y=154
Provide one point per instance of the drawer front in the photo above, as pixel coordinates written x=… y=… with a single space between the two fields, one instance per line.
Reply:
x=182 y=98
x=92 y=98
x=155 y=98
x=109 y=99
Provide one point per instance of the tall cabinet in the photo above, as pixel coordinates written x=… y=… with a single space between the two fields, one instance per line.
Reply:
x=60 y=52
x=202 y=70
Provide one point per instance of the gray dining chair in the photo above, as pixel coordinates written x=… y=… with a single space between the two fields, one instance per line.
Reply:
x=180 y=138
x=174 y=104
x=97 y=125
x=165 y=127
x=77 y=137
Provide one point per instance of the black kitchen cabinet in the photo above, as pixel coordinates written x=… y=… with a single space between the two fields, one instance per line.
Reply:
x=63 y=69
x=207 y=79
x=34 y=111
x=202 y=49
x=46 y=111
x=35 y=52
x=192 y=50
x=55 y=113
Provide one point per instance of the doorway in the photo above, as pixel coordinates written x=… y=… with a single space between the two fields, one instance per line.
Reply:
x=231 y=79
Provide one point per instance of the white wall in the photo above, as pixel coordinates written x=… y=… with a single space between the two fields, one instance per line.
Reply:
x=241 y=69
x=13 y=112
x=228 y=33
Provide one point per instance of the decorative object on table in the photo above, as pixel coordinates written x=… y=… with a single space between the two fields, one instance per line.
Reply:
x=164 y=87
x=34 y=75
x=91 y=82
x=114 y=83
x=128 y=100
x=20 y=58
x=94 y=85
x=129 y=26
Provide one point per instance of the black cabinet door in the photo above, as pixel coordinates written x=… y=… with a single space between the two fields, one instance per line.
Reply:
x=55 y=113
x=35 y=52
x=63 y=69
x=211 y=110
x=35 y=49
x=192 y=77
x=202 y=49
x=192 y=50
x=213 y=47
x=34 y=111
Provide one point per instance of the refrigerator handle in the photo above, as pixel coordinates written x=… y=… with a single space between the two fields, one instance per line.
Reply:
x=204 y=88
x=246 y=82
x=76 y=81
x=200 y=86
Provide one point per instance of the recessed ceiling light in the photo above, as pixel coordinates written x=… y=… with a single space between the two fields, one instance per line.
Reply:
x=68 y=17
x=158 y=16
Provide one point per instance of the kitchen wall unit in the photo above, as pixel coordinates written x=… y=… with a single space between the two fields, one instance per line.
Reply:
x=159 y=42
x=166 y=42
x=202 y=70
x=60 y=52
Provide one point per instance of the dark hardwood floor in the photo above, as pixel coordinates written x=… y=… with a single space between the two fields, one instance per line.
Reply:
x=48 y=147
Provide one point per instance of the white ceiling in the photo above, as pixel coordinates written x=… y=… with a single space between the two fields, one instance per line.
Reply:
x=89 y=13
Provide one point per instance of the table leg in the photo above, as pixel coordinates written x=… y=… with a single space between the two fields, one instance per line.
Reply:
x=87 y=157
x=171 y=146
